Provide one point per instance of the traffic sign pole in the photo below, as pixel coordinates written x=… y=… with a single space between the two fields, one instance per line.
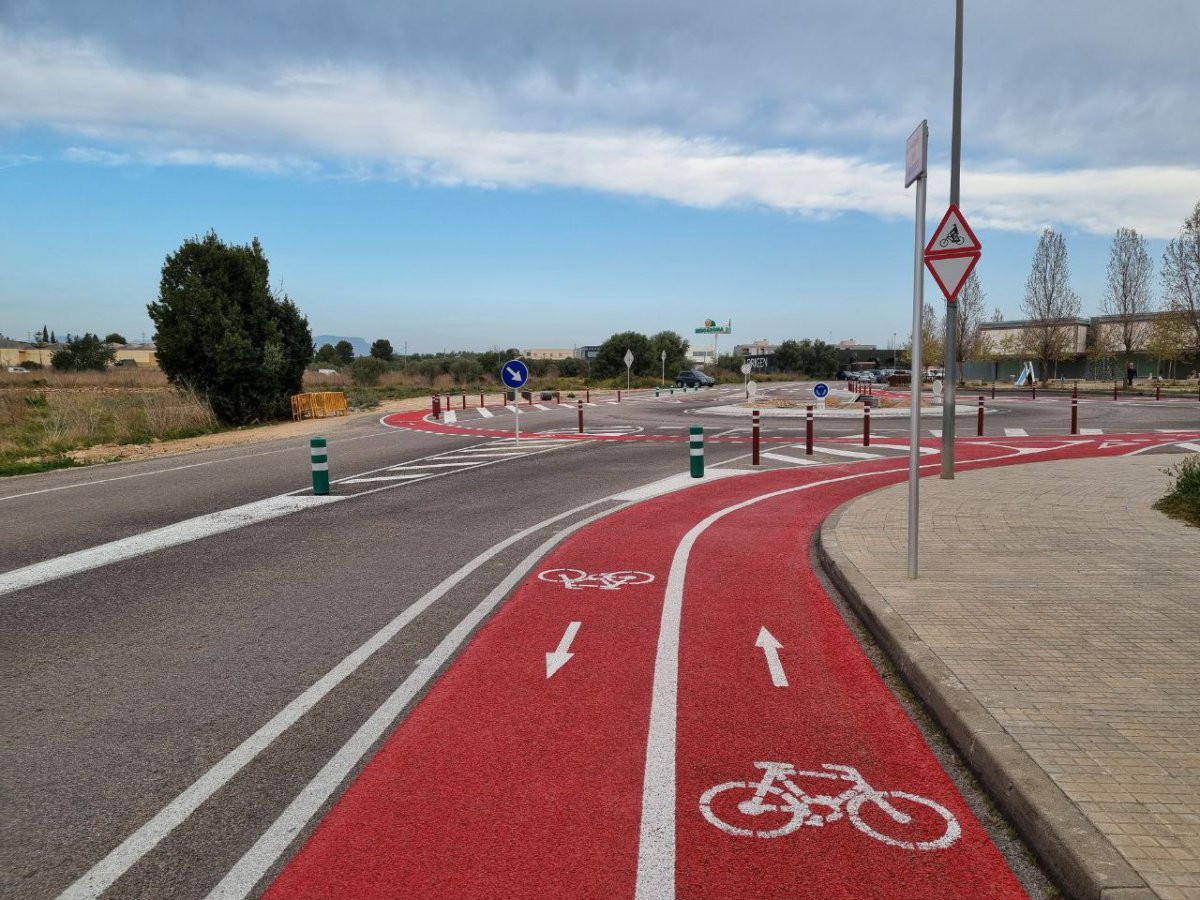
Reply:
x=951 y=362
x=514 y=374
x=917 y=150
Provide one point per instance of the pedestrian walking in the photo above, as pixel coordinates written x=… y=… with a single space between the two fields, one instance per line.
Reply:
x=1130 y=373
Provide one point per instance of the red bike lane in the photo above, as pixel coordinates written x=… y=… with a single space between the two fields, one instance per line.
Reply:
x=505 y=781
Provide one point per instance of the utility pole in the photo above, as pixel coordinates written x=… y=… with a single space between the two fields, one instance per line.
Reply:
x=950 y=365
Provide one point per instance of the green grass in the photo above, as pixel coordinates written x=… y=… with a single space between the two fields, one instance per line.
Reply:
x=30 y=467
x=1183 y=500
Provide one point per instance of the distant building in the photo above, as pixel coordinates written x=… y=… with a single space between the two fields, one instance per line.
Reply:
x=550 y=353
x=588 y=352
x=852 y=344
x=702 y=356
x=761 y=347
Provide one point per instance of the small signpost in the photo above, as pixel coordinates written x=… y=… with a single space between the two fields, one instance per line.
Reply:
x=628 y=366
x=746 y=372
x=514 y=374
x=820 y=391
x=663 y=357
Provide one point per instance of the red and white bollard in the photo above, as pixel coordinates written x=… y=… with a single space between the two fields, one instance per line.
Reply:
x=618 y=395
x=437 y=406
x=754 y=438
x=808 y=432
x=979 y=419
x=1074 y=415
x=866 y=425
x=579 y=404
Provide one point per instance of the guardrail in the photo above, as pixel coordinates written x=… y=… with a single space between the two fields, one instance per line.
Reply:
x=319 y=405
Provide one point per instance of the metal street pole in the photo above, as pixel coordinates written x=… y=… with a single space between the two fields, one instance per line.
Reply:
x=921 y=136
x=951 y=343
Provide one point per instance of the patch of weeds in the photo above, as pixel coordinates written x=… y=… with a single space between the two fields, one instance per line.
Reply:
x=32 y=466
x=37 y=401
x=1183 y=500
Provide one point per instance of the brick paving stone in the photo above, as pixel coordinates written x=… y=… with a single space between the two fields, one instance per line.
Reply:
x=1071 y=609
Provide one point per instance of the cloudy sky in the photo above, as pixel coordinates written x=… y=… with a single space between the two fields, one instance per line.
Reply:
x=460 y=174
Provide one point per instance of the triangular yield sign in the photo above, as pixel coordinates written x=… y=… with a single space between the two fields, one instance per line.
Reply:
x=951 y=272
x=953 y=235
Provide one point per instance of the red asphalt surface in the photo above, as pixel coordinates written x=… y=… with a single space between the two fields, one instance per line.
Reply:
x=504 y=783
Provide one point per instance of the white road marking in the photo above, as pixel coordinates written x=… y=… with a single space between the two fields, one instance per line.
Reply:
x=158 y=539
x=770 y=648
x=853 y=454
x=450 y=417
x=482 y=453
x=1091 y=431
x=673 y=483
x=430 y=465
x=1015 y=432
x=925 y=451
x=539 y=406
x=486 y=413
x=793 y=460
x=1187 y=445
x=397 y=477
x=249 y=870
x=936 y=432
x=102 y=875
x=560 y=657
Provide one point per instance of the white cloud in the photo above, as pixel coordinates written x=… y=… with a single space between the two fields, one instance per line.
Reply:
x=360 y=121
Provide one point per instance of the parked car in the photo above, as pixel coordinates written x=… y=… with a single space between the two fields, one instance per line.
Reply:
x=19 y=370
x=694 y=378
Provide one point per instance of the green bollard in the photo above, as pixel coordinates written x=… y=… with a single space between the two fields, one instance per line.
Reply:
x=320 y=465
x=672 y=392
x=697 y=450
x=656 y=392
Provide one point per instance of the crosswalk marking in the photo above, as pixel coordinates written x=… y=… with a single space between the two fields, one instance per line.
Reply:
x=925 y=451
x=486 y=413
x=1091 y=431
x=1015 y=432
x=539 y=406
x=794 y=460
x=451 y=417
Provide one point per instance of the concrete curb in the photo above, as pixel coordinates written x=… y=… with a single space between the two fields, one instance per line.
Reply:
x=1080 y=859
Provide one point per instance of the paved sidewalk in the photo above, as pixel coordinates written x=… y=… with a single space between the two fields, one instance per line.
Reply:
x=1055 y=631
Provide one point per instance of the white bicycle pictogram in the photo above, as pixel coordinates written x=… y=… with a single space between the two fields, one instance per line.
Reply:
x=796 y=807
x=577 y=579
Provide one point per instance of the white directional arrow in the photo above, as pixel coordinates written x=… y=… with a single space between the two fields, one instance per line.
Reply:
x=770 y=648
x=512 y=372
x=560 y=657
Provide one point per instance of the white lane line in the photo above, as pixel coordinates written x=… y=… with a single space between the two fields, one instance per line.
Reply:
x=249 y=870
x=1091 y=431
x=673 y=483
x=539 y=406
x=656 y=841
x=1187 y=445
x=160 y=538
x=1173 y=430
x=1015 y=432
x=450 y=417
x=398 y=477
x=484 y=453
x=794 y=460
x=430 y=465
x=102 y=875
x=853 y=454
x=486 y=413
x=590 y=403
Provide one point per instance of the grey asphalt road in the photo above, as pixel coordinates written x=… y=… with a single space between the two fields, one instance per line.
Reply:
x=126 y=683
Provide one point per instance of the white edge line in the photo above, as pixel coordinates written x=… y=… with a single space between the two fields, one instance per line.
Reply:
x=104 y=873
x=249 y=870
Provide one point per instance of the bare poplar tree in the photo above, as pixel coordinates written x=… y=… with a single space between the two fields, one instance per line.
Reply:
x=1127 y=291
x=1181 y=272
x=971 y=300
x=1049 y=302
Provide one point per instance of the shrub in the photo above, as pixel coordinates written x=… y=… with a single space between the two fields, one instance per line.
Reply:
x=367 y=370
x=1183 y=500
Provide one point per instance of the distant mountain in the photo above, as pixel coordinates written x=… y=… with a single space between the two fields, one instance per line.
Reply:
x=361 y=347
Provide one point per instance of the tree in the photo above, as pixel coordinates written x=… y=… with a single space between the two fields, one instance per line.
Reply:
x=367 y=370
x=327 y=354
x=971 y=302
x=610 y=358
x=787 y=356
x=1127 y=290
x=83 y=354
x=224 y=334
x=382 y=349
x=677 y=350
x=931 y=340
x=1049 y=303
x=115 y=338
x=1181 y=273
x=1168 y=337
x=344 y=352
x=54 y=340
x=816 y=358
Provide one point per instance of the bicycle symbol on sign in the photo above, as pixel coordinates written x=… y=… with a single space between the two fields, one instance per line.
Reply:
x=577 y=579
x=952 y=237
x=925 y=826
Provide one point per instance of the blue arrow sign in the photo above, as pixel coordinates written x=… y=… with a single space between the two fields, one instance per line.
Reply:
x=820 y=390
x=514 y=373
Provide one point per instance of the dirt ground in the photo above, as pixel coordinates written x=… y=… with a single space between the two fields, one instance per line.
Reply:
x=102 y=453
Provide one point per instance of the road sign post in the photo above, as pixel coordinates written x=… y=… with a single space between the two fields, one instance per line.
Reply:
x=916 y=165
x=628 y=367
x=663 y=357
x=514 y=374
x=746 y=373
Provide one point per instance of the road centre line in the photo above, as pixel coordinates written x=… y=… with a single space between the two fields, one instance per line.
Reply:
x=158 y=539
x=104 y=873
x=249 y=870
